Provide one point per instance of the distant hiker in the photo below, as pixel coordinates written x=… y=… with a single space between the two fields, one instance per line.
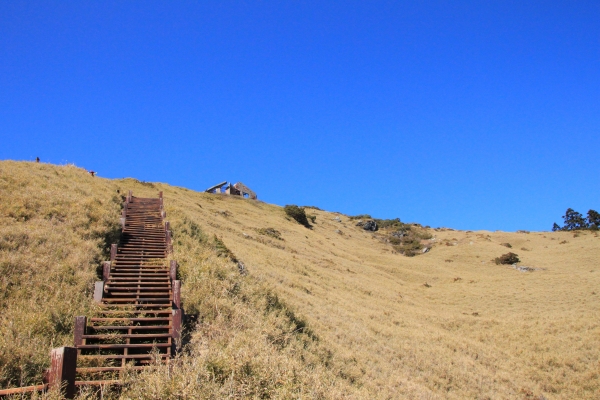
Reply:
x=92 y=173
x=37 y=159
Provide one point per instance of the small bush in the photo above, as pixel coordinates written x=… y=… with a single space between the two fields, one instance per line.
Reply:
x=395 y=240
x=297 y=214
x=222 y=250
x=313 y=207
x=408 y=246
x=390 y=223
x=423 y=235
x=508 y=258
x=360 y=216
x=507 y=245
x=274 y=233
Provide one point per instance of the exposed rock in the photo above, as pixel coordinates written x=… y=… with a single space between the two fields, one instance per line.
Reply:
x=426 y=249
x=337 y=219
x=398 y=234
x=360 y=222
x=370 y=226
x=242 y=268
x=523 y=268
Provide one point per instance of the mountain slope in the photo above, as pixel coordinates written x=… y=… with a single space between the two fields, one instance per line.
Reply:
x=449 y=323
x=333 y=311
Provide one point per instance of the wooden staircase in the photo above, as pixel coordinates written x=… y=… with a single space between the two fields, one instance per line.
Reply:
x=139 y=321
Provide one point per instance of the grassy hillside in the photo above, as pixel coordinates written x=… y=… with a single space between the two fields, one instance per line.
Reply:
x=332 y=311
x=54 y=229
x=447 y=324
x=242 y=340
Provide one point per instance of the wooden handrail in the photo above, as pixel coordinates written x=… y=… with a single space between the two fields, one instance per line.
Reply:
x=24 y=389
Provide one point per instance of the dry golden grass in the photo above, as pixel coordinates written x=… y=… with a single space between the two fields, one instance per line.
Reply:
x=447 y=324
x=53 y=231
x=337 y=314
x=57 y=225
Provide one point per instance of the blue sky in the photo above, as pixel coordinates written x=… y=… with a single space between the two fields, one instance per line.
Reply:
x=472 y=115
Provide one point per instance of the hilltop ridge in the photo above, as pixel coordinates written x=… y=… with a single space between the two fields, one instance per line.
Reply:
x=333 y=311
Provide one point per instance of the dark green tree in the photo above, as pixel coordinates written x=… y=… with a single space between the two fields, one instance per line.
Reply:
x=574 y=221
x=555 y=227
x=298 y=214
x=593 y=219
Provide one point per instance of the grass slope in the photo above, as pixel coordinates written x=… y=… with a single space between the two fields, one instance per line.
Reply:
x=331 y=312
x=447 y=324
x=57 y=225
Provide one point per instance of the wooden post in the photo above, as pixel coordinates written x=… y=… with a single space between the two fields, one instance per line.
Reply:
x=173 y=270
x=123 y=217
x=105 y=270
x=63 y=364
x=163 y=214
x=80 y=327
x=168 y=237
x=98 y=291
x=176 y=294
x=177 y=317
x=169 y=244
x=129 y=196
x=161 y=203
x=113 y=251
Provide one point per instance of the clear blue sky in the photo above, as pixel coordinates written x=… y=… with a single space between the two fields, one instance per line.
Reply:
x=472 y=115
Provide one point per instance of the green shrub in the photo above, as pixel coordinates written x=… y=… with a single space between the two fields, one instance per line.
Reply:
x=222 y=250
x=297 y=214
x=361 y=216
x=423 y=235
x=395 y=240
x=389 y=223
x=274 y=233
x=409 y=246
x=313 y=207
x=508 y=258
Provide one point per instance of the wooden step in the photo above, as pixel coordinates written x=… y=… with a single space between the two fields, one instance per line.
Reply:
x=134 y=288
x=136 y=273
x=146 y=306
x=122 y=346
x=84 y=370
x=127 y=327
x=128 y=294
x=123 y=356
x=130 y=319
x=105 y=382
x=112 y=300
x=163 y=311
x=130 y=336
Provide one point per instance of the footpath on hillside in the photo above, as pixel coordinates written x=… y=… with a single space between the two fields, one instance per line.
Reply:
x=139 y=317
